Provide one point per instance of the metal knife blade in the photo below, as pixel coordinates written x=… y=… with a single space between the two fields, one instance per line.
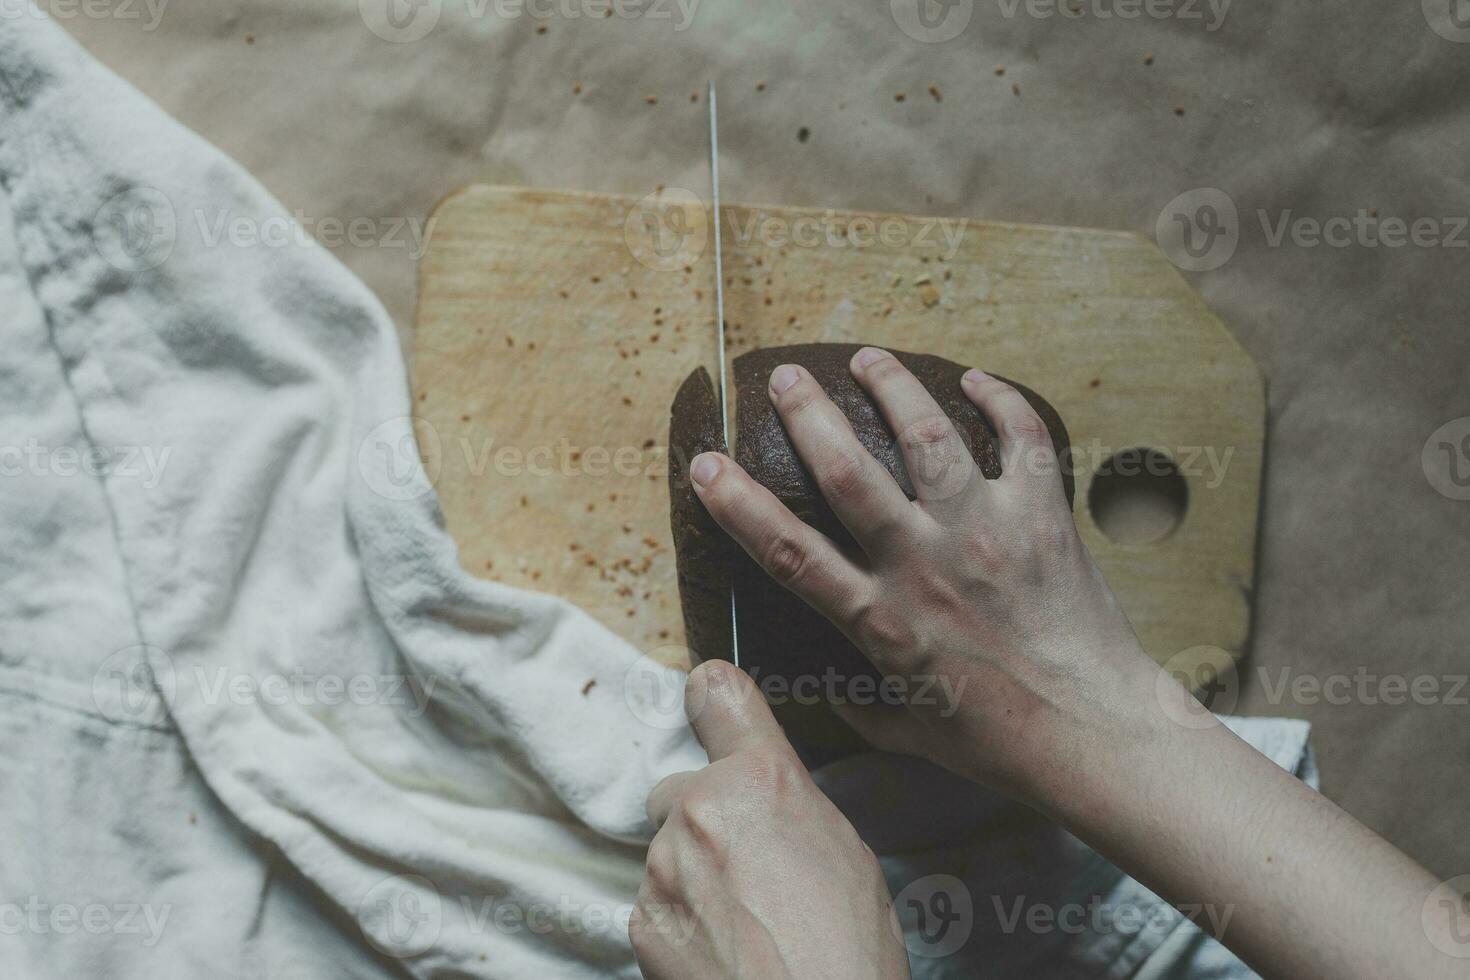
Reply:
x=714 y=179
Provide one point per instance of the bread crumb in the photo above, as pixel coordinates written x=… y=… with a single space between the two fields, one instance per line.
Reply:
x=651 y=99
x=576 y=88
x=899 y=96
x=1015 y=88
x=249 y=38
x=760 y=86
x=803 y=134
x=525 y=502
x=540 y=28
x=1000 y=70
x=1179 y=110
x=928 y=294
x=1148 y=59
x=934 y=91
x=586 y=688
x=464 y=418
x=1094 y=382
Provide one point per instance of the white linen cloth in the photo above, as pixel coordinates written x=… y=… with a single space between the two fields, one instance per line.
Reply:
x=257 y=720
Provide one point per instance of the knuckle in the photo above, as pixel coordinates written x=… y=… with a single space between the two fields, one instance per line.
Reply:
x=935 y=430
x=785 y=559
x=879 y=628
x=661 y=868
x=703 y=819
x=843 y=477
x=1023 y=423
x=774 y=770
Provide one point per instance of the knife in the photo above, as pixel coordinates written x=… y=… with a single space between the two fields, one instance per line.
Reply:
x=714 y=180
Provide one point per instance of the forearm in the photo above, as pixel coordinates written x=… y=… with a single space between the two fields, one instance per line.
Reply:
x=1289 y=881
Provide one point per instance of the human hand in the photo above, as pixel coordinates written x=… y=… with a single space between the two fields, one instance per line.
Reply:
x=984 y=583
x=753 y=872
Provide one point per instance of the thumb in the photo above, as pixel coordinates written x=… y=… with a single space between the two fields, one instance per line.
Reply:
x=727 y=710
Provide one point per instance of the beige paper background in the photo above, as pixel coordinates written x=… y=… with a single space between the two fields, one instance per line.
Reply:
x=1323 y=109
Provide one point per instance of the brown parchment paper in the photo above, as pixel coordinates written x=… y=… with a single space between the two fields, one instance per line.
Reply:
x=1314 y=111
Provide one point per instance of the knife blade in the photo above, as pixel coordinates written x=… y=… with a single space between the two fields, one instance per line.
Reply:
x=714 y=180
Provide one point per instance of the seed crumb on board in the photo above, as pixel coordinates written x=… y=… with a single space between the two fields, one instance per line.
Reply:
x=693 y=96
x=651 y=99
x=899 y=96
x=803 y=134
x=1148 y=59
x=587 y=687
x=576 y=88
x=540 y=28
x=928 y=294
x=760 y=86
x=1179 y=110
x=1015 y=88
x=1000 y=70
x=1094 y=382
x=934 y=91
x=249 y=38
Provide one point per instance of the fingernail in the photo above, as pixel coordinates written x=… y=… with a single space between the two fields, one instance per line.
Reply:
x=974 y=376
x=870 y=355
x=783 y=377
x=706 y=467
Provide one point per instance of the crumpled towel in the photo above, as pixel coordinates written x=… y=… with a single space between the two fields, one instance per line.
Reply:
x=258 y=721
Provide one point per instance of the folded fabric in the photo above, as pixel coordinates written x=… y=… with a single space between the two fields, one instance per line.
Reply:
x=258 y=720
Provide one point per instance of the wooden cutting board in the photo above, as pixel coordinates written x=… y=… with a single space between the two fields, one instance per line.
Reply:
x=553 y=329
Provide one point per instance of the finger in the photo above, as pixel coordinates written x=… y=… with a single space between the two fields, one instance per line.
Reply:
x=860 y=491
x=1028 y=458
x=666 y=795
x=731 y=712
x=791 y=551
x=937 y=459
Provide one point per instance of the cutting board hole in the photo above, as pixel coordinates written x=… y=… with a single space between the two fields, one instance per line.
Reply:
x=1138 y=496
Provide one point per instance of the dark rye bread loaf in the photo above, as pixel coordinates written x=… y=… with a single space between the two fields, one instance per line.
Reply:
x=781 y=638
